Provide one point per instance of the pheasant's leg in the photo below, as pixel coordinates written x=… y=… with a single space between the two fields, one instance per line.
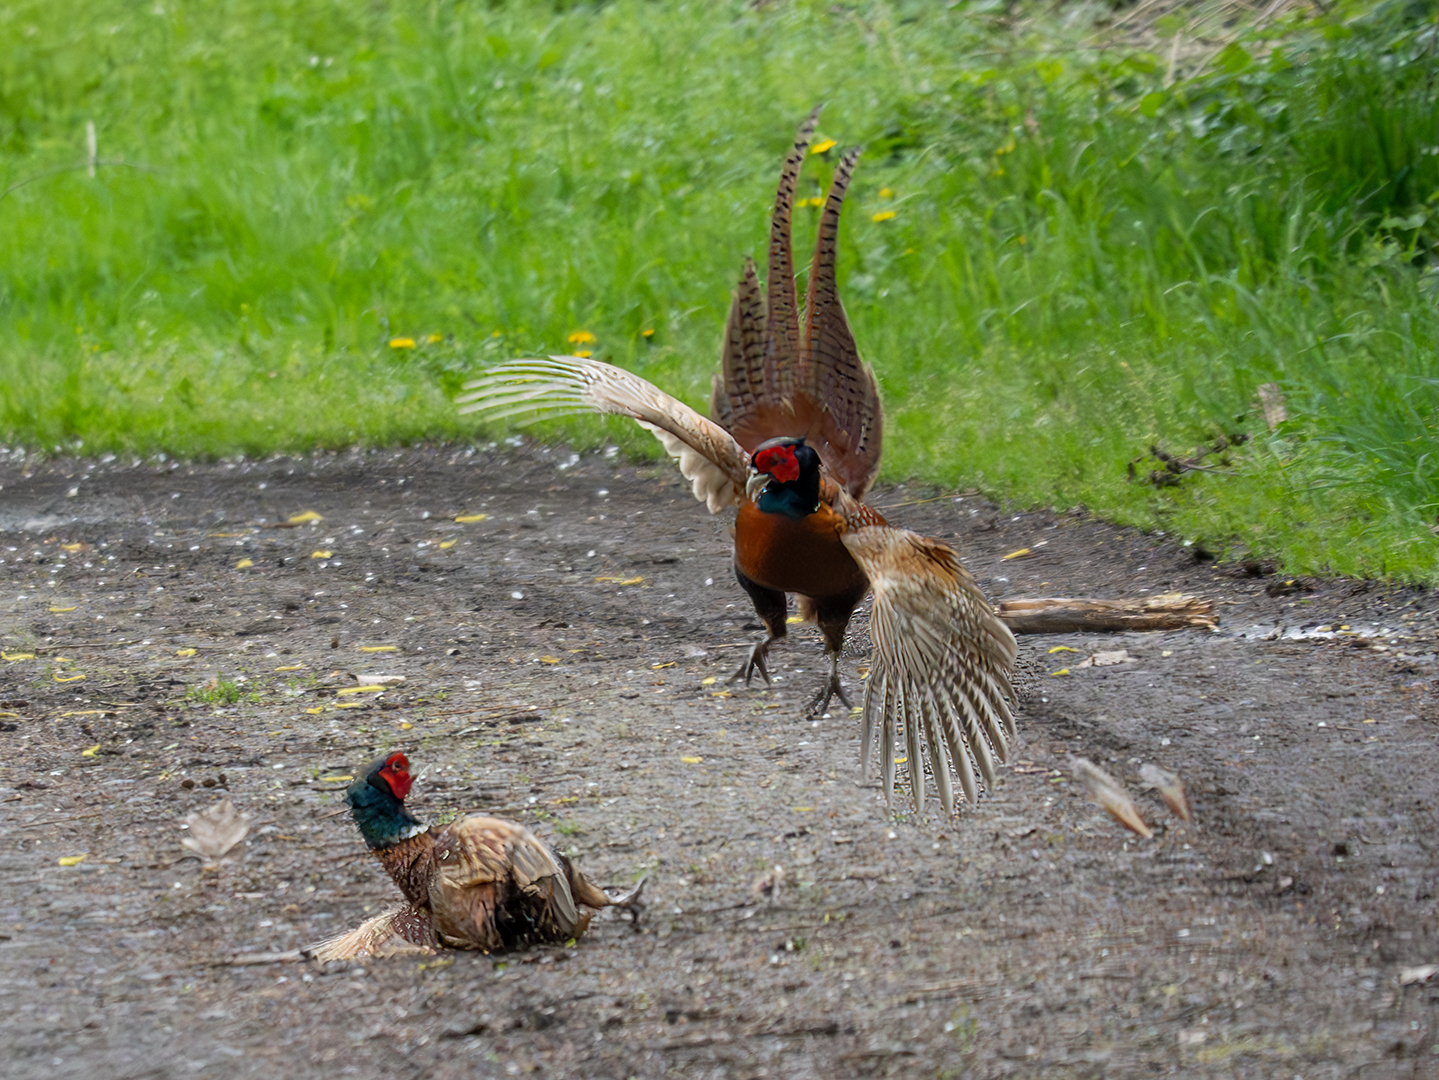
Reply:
x=820 y=703
x=770 y=607
x=832 y=614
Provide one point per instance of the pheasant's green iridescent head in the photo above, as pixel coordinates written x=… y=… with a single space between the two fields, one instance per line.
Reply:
x=377 y=802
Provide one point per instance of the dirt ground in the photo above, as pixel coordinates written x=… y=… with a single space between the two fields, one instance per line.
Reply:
x=564 y=661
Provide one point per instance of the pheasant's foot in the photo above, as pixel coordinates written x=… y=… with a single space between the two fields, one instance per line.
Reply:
x=832 y=689
x=632 y=902
x=754 y=662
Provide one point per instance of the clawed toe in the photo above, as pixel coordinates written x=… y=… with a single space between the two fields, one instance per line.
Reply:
x=832 y=689
x=752 y=663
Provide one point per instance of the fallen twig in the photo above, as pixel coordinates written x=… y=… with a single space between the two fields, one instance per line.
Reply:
x=1171 y=611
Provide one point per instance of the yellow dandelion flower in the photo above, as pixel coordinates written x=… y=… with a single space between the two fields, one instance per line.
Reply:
x=583 y=354
x=647 y=333
x=883 y=215
x=435 y=339
x=581 y=337
x=822 y=147
x=402 y=343
x=886 y=193
x=498 y=333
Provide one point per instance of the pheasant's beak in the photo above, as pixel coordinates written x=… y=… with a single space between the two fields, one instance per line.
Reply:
x=756 y=483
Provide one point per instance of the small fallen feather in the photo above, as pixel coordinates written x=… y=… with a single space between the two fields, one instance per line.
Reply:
x=692 y=760
x=244 y=564
x=17 y=656
x=1061 y=648
x=359 y=690
x=1170 y=788
x=379 y=648
x=767 y=886
x=1106 y=659
x=72 y=860
x=321 y=554
x=91 y=752
x=466 y=519
x=1407 y=976
x=215 y=830
x=185 y=652
x=307 y=516
x=445 y=544
x=61 y=610
x=1271 y=400
x=1110 y=794
x=1021 y=553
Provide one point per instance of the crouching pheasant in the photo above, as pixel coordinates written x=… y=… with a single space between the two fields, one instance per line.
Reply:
x=477 y=883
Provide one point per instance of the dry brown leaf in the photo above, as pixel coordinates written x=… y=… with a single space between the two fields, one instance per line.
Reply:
x=215 y=830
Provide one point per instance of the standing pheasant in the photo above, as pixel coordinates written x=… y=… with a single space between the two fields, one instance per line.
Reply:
x=795 y=443
x=477 y=883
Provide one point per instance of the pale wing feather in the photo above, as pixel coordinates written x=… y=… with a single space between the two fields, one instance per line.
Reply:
x=708 y=456
x=942 y=659
x=400 y=930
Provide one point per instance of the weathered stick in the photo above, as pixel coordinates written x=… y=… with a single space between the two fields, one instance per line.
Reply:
x=1171 y=611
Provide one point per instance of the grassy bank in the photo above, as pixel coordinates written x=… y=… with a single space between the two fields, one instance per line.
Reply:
x=1067 y=241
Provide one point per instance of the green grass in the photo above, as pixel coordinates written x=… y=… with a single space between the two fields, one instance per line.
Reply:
x=220 y=692
x=1083 y=261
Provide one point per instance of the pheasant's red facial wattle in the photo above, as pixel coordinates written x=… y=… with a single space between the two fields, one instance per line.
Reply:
x=396 y=775
x=779 y=462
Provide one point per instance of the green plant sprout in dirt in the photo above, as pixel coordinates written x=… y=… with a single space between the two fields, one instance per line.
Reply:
x=221 y=692
x=1076 y=233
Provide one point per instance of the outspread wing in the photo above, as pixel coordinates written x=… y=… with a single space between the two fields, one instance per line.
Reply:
x=849 y=434
x=399 y=930
x=708 y=455
x=940 y=675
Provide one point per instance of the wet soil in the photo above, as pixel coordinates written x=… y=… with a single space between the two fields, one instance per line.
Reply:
x=564 y=661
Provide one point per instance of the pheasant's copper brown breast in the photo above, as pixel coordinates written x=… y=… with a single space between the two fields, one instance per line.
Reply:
x=796 y=555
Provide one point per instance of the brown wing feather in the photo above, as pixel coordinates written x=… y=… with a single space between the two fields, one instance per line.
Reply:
x=941 y=669
x=831 y=372
x=497 y=884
